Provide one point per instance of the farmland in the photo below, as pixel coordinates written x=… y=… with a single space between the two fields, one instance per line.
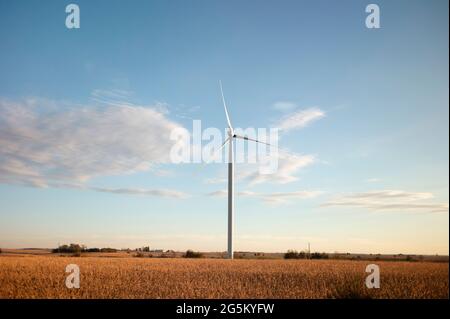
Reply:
x=43 y=276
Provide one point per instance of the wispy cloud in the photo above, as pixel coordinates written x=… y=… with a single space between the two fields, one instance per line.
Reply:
x=162 y=192
x=299 y=119
x=289 y=164
x=185 y=112
x=111 y=97
x=43 y=142
x=389 y=200
x=272 y=198
x=168 y=193
x=215 y=180
x=286 y=197
x=373 y=180
x=219 y=193
x=284 y=106
x=391 y=194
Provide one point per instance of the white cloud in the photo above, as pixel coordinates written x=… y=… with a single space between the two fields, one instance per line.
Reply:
x=272 y=198
x=111 y=97
x=390 y=194
x=389 y=200
x=215 y=180
x=43 y=142
x=220 y=193
x=284 y=106
x=168 y=193
x=373 y=180
x=247 y=193
x=286 y=197
x=185 y=112
x=299 y=119
x=288 y=166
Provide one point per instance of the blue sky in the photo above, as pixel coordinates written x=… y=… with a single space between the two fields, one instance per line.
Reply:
x=85 y=116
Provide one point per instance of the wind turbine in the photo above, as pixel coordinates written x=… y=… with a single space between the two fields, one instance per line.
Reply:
x=230 y=139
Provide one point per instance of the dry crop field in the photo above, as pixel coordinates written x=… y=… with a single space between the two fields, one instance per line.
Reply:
x=106 y=277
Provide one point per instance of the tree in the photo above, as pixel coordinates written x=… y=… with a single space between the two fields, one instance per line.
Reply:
x=319 y=256
x=72 y=248
x=291 y=254
x=192 y=254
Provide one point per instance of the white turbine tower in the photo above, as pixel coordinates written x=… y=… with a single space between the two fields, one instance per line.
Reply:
x=230 y=138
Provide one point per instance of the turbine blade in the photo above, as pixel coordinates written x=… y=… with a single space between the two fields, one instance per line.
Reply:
x=220 y=148
x=223 y=144
x=250 y=139
x=225 y=107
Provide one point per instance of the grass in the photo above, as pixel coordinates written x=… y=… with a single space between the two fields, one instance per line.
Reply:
x=104 y=277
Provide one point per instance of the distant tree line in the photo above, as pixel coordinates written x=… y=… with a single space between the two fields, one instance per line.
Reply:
x=147 y=249
x=77 y=249
x=293 y=254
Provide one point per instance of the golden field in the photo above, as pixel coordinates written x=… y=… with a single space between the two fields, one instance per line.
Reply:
x=109 y=277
